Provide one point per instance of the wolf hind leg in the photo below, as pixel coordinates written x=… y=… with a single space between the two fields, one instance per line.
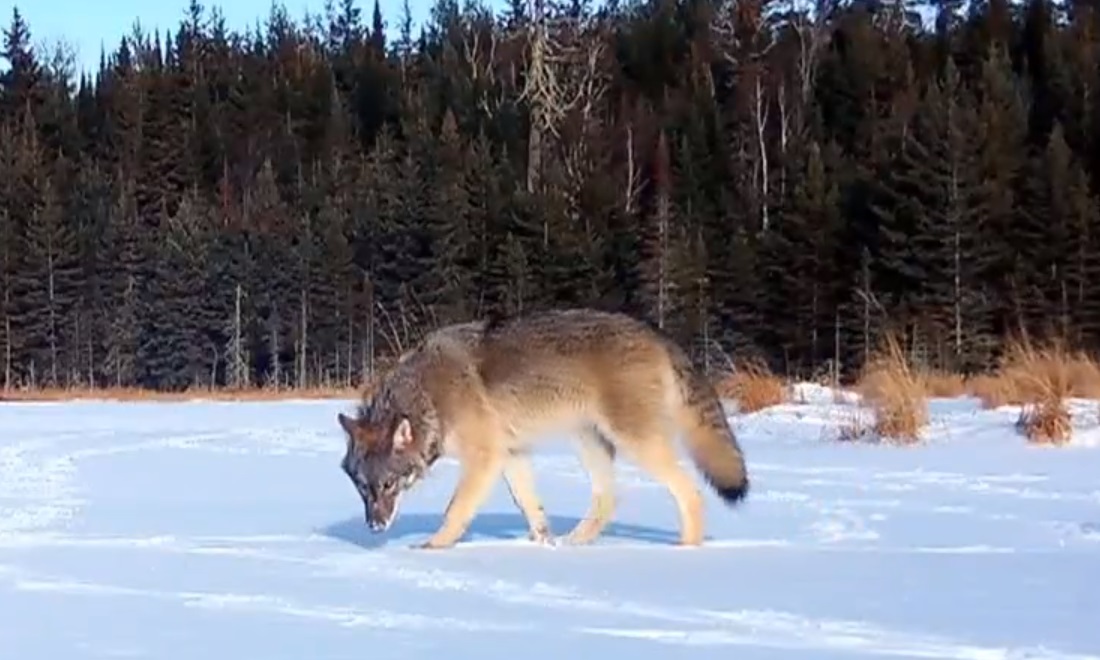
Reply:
x=646 y=441
x=597 y=455
x=520 y=478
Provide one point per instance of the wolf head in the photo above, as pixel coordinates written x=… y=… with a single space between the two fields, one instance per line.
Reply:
x=382 y=460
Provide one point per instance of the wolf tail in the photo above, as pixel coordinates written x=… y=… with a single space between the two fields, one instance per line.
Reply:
x=708 y=437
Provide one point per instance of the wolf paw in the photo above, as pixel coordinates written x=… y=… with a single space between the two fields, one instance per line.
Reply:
x=541 y=536
x=584 y=534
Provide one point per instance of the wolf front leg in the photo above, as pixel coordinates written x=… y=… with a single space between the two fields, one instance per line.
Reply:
x=521 y=483
x=473 y=487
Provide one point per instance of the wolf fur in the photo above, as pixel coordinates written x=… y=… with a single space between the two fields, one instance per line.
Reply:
x=484 y=392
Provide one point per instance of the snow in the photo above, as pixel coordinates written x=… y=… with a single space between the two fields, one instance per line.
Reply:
x=227 y=530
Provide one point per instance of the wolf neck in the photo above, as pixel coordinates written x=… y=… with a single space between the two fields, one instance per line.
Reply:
x=426 y=429
x=433 y=449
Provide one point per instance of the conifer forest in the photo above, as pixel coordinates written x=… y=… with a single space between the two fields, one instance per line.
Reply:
x=787 y=180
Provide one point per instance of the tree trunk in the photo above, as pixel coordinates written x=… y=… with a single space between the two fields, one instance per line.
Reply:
x=537 y=78
x=7 y=343
x=836 y=348
x=53 y=312
x=368 y=344
x=761 y=117
x=238 y=367
x=303 y=345
x=631 y=173
x=276 y=364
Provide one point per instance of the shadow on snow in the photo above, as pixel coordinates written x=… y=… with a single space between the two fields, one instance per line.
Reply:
x=414 y=527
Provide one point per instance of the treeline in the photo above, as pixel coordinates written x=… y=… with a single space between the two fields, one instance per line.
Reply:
x=292 y=204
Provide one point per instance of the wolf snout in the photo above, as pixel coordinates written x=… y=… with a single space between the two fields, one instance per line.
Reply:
x=378 y=523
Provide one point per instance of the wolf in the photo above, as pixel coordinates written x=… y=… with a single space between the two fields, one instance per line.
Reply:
x=485 y=392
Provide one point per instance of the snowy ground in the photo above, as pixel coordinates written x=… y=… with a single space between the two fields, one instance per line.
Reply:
x=220 y=530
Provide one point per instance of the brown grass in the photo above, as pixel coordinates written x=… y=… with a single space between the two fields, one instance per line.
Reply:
x=1040 y=379
x=753 y=386
x=943 y=384
x=992 y=390
x=896 y=392
x=140 y=394
x=1047 y=422
x=1084 y=377
x=1028 y=374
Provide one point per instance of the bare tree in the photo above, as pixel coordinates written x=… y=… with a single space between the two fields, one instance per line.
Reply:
x=60 y=63
x=564 y=73
x=303 y=338
x=741 y=29
x=539 y=92
x=479 y=64
x=809 y=21
x=237 y=353
x=633 y=180
x=662 y=174
x=760 y=113
x=584 y=79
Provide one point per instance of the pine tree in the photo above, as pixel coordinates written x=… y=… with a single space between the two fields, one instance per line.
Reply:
x=798 y=262
x=295 y=203
x=47 y=288
x=931 y=231
x=1001 y=156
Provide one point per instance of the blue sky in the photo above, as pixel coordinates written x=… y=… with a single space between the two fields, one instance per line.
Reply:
x=89 y=24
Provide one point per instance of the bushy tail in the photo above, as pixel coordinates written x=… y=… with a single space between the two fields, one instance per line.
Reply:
x=707 y=435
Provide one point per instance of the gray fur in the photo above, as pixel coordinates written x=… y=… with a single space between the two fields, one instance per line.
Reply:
x=379 y=471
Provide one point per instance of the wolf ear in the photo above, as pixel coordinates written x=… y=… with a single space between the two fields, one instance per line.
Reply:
x=402 y=436
x=350 y=425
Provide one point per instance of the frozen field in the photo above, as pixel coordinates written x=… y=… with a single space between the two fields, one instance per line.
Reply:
x=227 y=530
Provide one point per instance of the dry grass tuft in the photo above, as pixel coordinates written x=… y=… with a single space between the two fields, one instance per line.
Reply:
x=1047 y=422
x=753 y=386
x=1035 y=373
x=896 y=392
x=1040 y=379
x=131 y=394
